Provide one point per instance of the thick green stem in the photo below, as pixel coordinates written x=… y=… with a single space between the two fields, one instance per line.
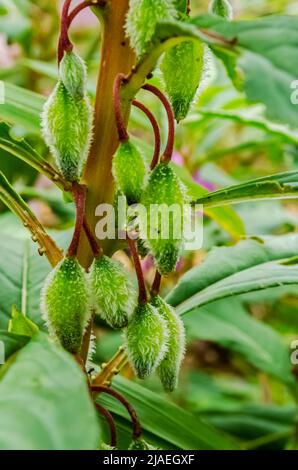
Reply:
x=116 y=57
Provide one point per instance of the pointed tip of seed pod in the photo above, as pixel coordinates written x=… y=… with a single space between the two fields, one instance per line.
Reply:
x=67 y=136
x=168 y=369
x=73 y=73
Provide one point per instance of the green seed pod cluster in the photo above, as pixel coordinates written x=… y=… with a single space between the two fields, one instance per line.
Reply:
x=73 y=74
x=164 y=239
x=168 y=369
x=67 y=119
x=141 y=444
x=183 y=70
x=113 y=295
x=146 y=339
x=129 y=171
x=142 y=18
x=65 y=303
x=221 y=8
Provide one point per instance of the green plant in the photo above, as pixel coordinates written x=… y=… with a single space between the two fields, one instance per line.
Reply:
x=96 y=160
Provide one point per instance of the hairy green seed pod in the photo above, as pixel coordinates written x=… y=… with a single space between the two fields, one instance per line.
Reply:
x=66 y=126
x=161 y=225
x=113 y=295
x=183 y=72
x=65 y=303
x=129 y=171
x=141 y=444
x=168 y=369
x=73 y=74
x=221 y=8
x=146 y=338
x=142 y=18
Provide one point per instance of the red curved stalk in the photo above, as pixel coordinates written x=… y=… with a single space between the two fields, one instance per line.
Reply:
x=156 y=284
x=64 y=41
x=79 y=194
x=168 y=152
x=78 y=9
x=141 y=282
x=96 y=248
x=137 y=430
x=110 y=420
x=156 y=131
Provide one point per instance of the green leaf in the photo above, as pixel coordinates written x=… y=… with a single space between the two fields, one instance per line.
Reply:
x=21 y=325
x=239 y=260
x=12 y=342
x=268 y=426
x=22 y=150
x=22 y=107
x=268 y=51
x=22 y=273
x=227 y=323
x=160 y=417
x=45 y=403
x=278 y=186
x=248 y=117
x=226 y=217
x=263 y=276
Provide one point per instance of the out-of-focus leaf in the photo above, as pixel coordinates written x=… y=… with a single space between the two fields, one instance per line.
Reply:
x=268 y=50
x=262 y=276
x=22 y=107
x=275 y=424
x=12 y=342
x=21 y=325
x=22 y=150
x=22 y=273
x=44 y=401
x=248 y=117
x=226 y=217
x=166 y=420
x=224 y=262
x=228 y=324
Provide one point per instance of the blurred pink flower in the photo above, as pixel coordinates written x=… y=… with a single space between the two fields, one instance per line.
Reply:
x=8 y=54
x=147 y=263
x=85 y=17
x=177 y=158
x=206 y=184
x=180 y=264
